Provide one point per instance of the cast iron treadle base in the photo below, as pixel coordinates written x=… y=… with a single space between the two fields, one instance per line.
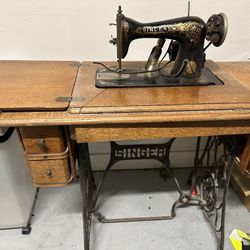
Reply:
x=209 y=181
x=159 y=152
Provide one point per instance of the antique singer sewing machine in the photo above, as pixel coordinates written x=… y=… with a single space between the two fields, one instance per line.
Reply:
x=209 y=179
x=186 y=52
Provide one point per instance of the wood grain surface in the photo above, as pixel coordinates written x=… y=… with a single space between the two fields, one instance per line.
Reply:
x=34 y=85
x=156 y=131
x=139 y=113
x=41 y=140
x=234 y=94
x=49 y=170
x=175 y=111
x=237 y=70
x=16 y=119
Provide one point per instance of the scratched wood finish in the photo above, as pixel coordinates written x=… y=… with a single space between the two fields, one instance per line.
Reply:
x=34 y=85
x=232 y=95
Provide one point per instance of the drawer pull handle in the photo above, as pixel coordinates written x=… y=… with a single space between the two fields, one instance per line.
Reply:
x=41 y=143
x=49 y=173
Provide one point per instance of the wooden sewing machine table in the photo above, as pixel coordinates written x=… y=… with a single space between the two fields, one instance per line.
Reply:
x=64 y=94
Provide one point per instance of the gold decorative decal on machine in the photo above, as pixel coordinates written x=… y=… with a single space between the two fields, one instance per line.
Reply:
x=192 y=30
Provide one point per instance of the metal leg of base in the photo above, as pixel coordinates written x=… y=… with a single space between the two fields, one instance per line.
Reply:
x=159 y=152
x=87 y=185
x=211 y=180
x=27 y=229
x=215 y=213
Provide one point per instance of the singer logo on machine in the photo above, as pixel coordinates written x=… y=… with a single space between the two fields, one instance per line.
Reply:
x=161 y=28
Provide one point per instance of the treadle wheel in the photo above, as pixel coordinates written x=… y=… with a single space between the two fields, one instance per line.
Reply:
x=208 y=192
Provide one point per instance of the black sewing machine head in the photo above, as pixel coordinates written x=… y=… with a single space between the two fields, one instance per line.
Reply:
x=186 y=51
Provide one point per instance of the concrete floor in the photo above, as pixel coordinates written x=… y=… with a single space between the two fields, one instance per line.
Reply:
x=57 y=223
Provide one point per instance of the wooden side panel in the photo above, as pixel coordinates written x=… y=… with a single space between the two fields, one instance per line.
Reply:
x=164 y=130
x=245 y=159
x=241 y=185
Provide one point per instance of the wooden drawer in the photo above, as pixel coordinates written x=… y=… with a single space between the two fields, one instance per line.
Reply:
x=43 y=140
x=50 y=155
x=50 y=169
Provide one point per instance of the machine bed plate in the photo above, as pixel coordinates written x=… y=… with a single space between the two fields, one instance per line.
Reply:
x=108 y=79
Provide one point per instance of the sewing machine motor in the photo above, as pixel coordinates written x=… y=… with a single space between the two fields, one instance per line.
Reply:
x=186 y=52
